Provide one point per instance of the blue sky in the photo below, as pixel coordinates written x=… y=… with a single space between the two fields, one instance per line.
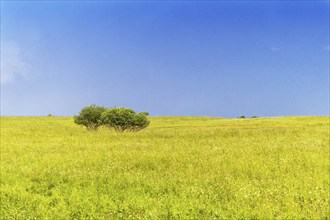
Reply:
x=215 y=58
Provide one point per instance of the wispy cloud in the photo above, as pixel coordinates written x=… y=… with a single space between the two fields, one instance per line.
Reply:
x=13 y=62
x=275 y=49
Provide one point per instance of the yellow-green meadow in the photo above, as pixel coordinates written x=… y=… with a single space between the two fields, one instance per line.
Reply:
x=177 y=168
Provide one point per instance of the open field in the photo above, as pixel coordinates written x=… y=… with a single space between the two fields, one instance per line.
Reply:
x=177 y=168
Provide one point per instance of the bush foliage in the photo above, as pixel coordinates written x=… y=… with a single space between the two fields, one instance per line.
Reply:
x=118 y=118
x=124 y=119
x=90 y=116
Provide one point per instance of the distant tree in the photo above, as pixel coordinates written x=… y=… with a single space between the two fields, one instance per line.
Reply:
x=254 y=116
x=124 y=119
x=90 y=117
x=242 y=116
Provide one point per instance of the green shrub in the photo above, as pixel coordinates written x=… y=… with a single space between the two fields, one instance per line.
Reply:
x=124 y=119
x=90 y=116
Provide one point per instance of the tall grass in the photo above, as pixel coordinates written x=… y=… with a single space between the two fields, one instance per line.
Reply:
x=177 y=168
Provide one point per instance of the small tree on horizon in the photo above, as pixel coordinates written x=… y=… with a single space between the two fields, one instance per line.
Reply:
x=124 y=119
x=90 y=116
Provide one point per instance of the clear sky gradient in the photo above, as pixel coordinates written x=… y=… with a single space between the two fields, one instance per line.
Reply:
x=214 y=58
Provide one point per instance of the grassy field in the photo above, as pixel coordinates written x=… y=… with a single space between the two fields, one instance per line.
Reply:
x=177 y=168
